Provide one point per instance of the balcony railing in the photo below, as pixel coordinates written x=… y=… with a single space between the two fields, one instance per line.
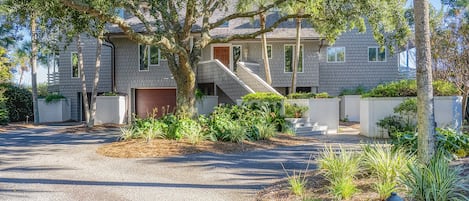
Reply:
x=53 y=79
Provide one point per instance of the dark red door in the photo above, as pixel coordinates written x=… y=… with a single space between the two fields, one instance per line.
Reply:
x=222 y=54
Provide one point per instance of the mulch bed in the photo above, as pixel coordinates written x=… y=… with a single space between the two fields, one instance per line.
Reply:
x=139 y=148
x=17 y=126
x=317 y=187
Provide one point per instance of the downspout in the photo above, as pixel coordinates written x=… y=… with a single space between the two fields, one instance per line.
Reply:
x=113 y=63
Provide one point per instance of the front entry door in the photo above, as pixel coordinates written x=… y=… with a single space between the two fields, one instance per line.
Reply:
x=222 y=54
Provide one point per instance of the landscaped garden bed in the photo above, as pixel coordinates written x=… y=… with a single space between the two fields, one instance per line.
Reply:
x=165 y=148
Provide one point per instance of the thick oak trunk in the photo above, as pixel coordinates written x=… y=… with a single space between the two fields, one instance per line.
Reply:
x=425 y=109
x=183 y=70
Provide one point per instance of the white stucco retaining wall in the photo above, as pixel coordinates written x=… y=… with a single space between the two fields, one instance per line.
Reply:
x=350 y=107
x=57 y=111
x=110 y=109
x=448 y=112
x=325 y=112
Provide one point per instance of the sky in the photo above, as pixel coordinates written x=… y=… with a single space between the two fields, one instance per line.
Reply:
x=42 y=69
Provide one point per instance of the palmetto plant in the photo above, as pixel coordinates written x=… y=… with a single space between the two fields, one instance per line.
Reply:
x=436 y=181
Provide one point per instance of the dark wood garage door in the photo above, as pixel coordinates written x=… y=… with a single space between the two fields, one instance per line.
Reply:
x=148 y=99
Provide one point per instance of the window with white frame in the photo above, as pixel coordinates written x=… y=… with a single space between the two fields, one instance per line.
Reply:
x=289 y=51
x=75 y=67
x=269 y=51
x=336 y=54
x=148 y=55
x=376 y=54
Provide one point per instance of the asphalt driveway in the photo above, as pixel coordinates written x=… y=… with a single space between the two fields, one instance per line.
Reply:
x=45 y=164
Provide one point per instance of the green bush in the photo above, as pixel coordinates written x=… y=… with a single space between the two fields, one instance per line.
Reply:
x=19 y=102
x=110 y=93
x=300 y=95
x=404 y=121
x=447 y=140
x=42 y=90
x=356 y=91
x=294 y=110
x=407 y=88
x=263 y=97
x=308 y=95
x=52 y=98
x=4 y=119
x=435 y=181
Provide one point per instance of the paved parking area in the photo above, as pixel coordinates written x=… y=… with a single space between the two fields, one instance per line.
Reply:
x=49 y=164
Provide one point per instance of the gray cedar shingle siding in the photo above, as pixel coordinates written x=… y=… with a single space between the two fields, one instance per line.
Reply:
x=356 y=70
x=128 y=75
x=70 y=87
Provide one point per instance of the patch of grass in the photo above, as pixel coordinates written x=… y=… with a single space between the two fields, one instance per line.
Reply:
x=297 y=180
x=340 y=169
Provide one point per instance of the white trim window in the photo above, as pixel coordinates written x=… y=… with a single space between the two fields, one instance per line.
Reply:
x=376 y=54
x=335 y=54
x=75 y=70
x=269 y=51
x=289 y=54
x=148 y=56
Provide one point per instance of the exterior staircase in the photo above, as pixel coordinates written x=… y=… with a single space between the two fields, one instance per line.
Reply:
x=233 y=85
x=304 y=127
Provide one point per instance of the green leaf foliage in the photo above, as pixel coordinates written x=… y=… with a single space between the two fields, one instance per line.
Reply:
x=263 y=97
x=4 y=118
x=52 y=98
x=408 y=88
x=18 y=102
x=355 y=91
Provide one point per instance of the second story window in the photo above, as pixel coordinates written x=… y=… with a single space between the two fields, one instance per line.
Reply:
x=269 y=51
x=289 y=51
x=376 y=54
x=336 y=54
x=74 y=63
x=148 y=56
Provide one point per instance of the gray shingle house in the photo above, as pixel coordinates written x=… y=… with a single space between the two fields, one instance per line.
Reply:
x=228 y=70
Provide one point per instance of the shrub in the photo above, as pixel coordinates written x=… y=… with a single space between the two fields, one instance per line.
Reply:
x=192 y=130
x=300 y=95
x=385 y=164
x=407 y=88
x=444 y=88
x=340 y=170
x=294 y=111
x=263 y=96
x=356 y=91
x=322 y=95
x=174 y=130
x=435 y=181
x=404 y=122
x=3 y=109
x=51 y=98
x=110 y=93
x=447 y=140
x=308 y=95
x=19 y=102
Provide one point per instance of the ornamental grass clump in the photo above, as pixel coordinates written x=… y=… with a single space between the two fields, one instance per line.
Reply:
x=436 y=181
x=386 y=165
x=340 y=169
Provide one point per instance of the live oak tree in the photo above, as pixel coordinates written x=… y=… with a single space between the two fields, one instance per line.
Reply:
x=169 y=25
